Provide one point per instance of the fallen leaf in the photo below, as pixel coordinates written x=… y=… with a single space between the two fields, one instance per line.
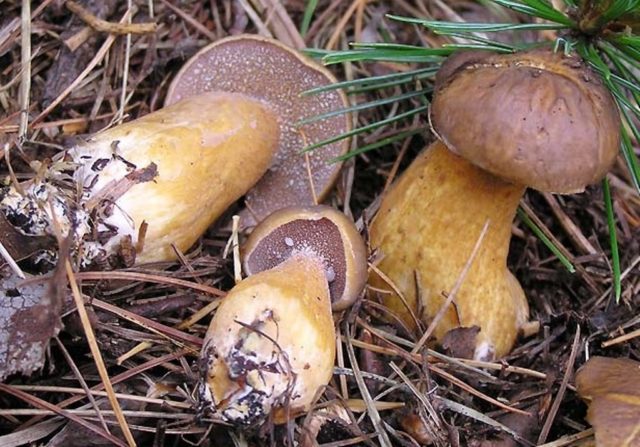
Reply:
x=29 y=317
x=612 y=386
x=21 y=246
x=460 y=342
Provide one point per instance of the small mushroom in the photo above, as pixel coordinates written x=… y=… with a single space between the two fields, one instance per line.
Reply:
x=266 y=69
x=505 y=122
x=320 y=231
x=173 y=171
x=271 y=345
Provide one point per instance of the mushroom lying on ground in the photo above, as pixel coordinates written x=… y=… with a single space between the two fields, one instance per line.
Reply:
x=505 y=122
x=164 y=178
x=175 y=171
x=271 y=344
x=268 y=70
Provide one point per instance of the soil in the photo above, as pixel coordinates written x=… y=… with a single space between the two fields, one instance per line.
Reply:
x=433 y=398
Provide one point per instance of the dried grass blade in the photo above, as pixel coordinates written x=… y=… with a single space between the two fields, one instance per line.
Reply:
x=114 y=380
x=372 y=411
x=37 y=402
x=563 y=387
x=135 y=276
x=97 y=356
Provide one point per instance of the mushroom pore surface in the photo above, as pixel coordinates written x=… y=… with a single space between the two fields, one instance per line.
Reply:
x=317 y=231
x=277 y=75
x=319 y=238
x=538 y=118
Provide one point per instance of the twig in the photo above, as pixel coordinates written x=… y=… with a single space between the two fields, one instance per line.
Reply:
x=125 y=71
x=372 y=411
x=235 y=243
x=57 y=410
x=122 y=396
x=572 y=230
x=341 y=24
x=255 y=18
x=92 y=64
x=283 y=27
x=621 y=339
x=563 y=387
x=11 y=262
x=83 y=383
x=97 y=356
x=25 y=78
x=571 y=439
x=422 y=397
x=116 y=379
x=191 y=21
x=148 y=324
x=89 y=413
x=109 y=27
x=135 y=276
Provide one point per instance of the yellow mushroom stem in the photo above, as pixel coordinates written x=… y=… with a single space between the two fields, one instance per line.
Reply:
x=270 y=346
x=426 y=229
x=206 y=151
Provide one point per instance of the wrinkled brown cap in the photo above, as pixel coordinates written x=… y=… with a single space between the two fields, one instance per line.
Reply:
x=536 y=118
x=268 y=70
x=318 y=231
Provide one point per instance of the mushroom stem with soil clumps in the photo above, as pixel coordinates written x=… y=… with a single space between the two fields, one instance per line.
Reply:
x=173 y=171
x=537 y=119
x=271 y=345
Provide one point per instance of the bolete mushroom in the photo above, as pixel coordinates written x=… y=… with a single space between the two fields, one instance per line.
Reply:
x=318 y=230
x=271 y=344
x=505 y=122
x=266 y=69
x=173 y=171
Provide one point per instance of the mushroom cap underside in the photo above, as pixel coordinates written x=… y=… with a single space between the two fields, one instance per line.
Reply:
x=318 y=231
x=266 y=69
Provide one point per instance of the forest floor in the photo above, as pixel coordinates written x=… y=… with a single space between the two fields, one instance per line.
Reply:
x=433 y=396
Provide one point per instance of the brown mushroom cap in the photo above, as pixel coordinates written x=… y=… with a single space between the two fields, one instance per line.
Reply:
x=318 y=231
x=268 y=70
x=538 y=118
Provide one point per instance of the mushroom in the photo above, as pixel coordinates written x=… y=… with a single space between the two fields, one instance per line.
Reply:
x=318 y=230
x=271 y=344
x=173 y=172
x=266 y=69
x=611 y=387
x=505 y=122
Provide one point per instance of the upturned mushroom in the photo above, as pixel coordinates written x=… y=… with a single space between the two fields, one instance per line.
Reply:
x=158 y=182
x=266 y=69
x=172 y=172
x=320 y=231
x=505 y=122
x=270 y=346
